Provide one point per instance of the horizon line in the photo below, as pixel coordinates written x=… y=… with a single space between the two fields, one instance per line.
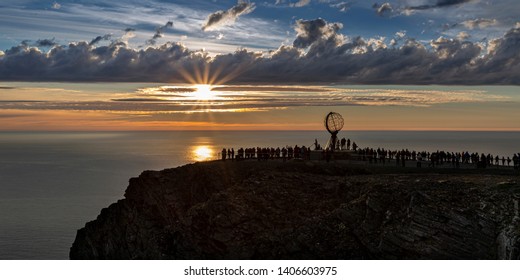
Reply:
x=254 y=130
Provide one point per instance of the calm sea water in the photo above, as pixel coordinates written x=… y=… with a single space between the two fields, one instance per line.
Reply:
x=51 y=184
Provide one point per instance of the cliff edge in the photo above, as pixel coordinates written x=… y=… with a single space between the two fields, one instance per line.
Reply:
x=307 y=210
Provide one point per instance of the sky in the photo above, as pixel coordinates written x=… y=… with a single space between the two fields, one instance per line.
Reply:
x=278 y=41
x=133 y=65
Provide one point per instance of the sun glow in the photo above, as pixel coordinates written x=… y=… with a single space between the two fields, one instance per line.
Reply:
x=202 y=153
x=204 y=92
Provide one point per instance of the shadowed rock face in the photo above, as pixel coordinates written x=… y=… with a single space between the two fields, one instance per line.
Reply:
x=274 y=210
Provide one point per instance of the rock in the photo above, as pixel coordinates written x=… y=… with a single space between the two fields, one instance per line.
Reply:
x=302 y=210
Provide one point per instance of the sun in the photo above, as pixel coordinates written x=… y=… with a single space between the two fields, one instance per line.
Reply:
x=204 y=92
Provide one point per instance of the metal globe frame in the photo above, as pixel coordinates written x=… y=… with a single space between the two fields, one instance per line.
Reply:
x=333 y=123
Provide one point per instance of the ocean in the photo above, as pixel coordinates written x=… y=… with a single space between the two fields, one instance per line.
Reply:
x=52 y=183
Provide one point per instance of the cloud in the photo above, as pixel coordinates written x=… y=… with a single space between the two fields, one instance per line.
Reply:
x=438 y=4
x=383 y=8
x=158 y=33
x=46 y=42
x=160 y=100
x=480 y=23
x=220 y=18
x=342 y=6
x=56 y=6
x=100 y=38
x=463 y=35
x=318 y=54
x=318 y=30
x=400 y=34
x=129 y=34
x=300 y=3
x=356 y=60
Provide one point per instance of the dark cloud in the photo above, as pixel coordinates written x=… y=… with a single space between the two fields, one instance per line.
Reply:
x=46 y=43
x=84 y=62
x=220 y=18
x=100 y=38
x=383 y=8
x=178 y=89
x=129 y=29
x=39 y=43
x=439 y=4
x=319 y=54
x=502 y=64
x=158 y=33
x=317 y=30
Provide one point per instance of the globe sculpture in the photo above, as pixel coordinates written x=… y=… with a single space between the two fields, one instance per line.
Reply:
x=333 y=123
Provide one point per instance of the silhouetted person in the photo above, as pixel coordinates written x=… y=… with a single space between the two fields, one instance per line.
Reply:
x=224 y=153
x=240 y=154
x=483 y=161
x=343 y=143
x=433 y=159
x=258 y=153
x=348 y=144
x=296 y=151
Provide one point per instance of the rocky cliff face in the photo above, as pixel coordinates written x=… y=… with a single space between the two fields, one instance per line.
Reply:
x=297 y=210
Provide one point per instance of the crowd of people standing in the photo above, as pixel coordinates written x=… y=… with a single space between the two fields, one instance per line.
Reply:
x=437 y=158
x=264 y=153
x=374 y=156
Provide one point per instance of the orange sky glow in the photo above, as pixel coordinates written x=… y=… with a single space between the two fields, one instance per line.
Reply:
x=124 y=107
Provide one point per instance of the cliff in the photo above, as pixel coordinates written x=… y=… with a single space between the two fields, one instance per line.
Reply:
x=307 y=210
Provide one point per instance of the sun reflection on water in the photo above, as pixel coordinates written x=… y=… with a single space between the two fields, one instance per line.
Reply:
x=202 y=153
